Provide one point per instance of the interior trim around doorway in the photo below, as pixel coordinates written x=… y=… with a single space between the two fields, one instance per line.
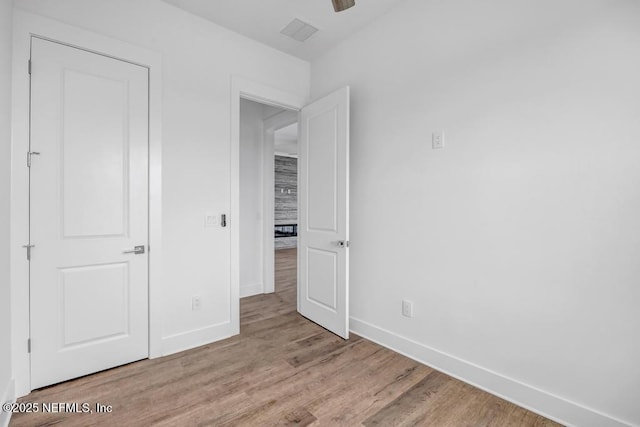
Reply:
x=26 y=26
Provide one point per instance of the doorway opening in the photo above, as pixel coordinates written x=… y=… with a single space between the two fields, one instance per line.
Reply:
x=268 y=212
x=323 y=202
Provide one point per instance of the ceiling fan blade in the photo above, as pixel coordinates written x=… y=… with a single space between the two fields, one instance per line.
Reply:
x=340 y=5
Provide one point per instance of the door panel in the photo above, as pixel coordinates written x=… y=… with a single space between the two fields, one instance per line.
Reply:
x=323 y=191
x=321 y=278
x=84 y=323
x=88 y=196
x=322 y=173
x=88 y=156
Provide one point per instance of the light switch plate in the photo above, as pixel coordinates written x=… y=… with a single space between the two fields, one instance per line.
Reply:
x=210 y=220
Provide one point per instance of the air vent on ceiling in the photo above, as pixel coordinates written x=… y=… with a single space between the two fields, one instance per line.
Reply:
x=299 y=30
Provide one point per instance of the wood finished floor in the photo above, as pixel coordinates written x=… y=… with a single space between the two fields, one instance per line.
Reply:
x=282 y=370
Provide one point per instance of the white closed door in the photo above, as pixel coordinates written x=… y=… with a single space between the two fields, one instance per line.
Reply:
x=323 y=230
x=88 y=209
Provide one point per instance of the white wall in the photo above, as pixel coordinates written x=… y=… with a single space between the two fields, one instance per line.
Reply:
x=251 y=114
x=519 y=242
x=6 y=8
x=199 y=59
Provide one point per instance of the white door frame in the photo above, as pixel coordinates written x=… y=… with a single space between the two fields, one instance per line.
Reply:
x=269 y=127
x=253 y=91
x=25 y=26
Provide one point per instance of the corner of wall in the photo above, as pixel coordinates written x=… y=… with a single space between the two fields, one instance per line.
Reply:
x=8 y=396
x=7 y=384
x=251 y=290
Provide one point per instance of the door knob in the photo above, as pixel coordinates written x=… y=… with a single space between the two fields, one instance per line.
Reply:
x=136 y=250
x=343 y=243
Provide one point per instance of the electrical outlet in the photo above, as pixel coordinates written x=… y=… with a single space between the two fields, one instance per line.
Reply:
x=437 y=140
x=407 y=308
x=196 y=303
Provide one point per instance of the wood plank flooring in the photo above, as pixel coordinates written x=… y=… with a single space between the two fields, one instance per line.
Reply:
x=282 y=370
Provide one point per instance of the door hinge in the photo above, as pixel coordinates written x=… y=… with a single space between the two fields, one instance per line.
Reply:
x=28 y=248
x=29 y=345
x=29 y=155
x=29 y=67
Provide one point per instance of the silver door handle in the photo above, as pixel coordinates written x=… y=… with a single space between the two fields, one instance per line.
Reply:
x=136 y=250
x=343 y=243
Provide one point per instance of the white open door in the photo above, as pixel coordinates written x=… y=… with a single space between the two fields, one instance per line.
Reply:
x=323 y=198
x=88 y=196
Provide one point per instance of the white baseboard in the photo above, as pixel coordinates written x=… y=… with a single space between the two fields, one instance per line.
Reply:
x=538 y=401
x=8 y=395
x=196 y=338
x=250 y=290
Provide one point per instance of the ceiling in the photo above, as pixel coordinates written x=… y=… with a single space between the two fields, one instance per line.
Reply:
x=262 y=20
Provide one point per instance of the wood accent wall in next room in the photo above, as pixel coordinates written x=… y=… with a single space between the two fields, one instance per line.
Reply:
x=286 y=201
